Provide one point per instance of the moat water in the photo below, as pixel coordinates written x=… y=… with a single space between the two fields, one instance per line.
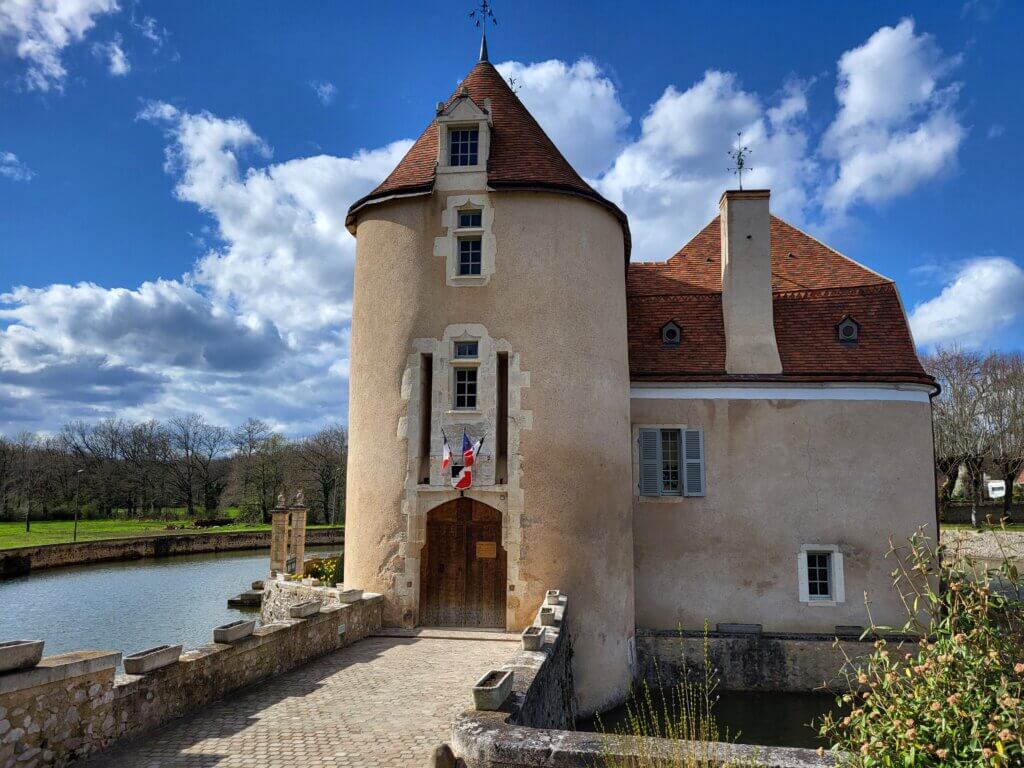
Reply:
x=132 y=605
x=773 y=719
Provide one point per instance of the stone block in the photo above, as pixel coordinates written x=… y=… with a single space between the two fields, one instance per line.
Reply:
x=141 y=662
x=20 y=654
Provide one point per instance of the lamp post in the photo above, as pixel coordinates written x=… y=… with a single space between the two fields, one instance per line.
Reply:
x=78 y=503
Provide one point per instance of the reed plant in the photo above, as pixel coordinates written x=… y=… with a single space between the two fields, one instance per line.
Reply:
x=671 y=725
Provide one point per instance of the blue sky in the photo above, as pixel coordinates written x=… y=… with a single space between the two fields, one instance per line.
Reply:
x=174 y=176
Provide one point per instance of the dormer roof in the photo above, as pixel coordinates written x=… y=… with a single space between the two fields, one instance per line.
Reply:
x=521 y=155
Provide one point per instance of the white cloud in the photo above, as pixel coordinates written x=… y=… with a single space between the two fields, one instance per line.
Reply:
x=670 y=178
x=41 y=29
x=324 y=91
x=286 y=254
x=258 y=327
x=117 y=61
x=985 y=296
x=12 y=168
x=147 y=27
x=577 y=105
x=896 y=126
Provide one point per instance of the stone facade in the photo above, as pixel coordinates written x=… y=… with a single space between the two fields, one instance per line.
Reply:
x=753 y=662
x=21 y=560
x=72 y=705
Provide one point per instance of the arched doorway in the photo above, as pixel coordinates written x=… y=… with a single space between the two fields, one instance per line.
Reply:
x=463 y=567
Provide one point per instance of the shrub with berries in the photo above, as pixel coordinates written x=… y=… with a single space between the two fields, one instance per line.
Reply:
x=957 y=700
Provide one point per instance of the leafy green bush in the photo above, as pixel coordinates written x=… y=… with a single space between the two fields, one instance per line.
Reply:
x=957 y=701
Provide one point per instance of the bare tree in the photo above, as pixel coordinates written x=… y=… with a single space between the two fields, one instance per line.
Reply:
x=961 y=438
x=1004 y=418
x=322 y=458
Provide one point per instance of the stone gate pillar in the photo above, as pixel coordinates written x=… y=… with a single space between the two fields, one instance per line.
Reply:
x=279 y=536
x=297 y=538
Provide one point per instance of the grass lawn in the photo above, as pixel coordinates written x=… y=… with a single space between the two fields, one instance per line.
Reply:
x=12 y=534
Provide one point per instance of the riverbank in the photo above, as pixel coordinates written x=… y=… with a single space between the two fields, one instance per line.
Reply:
x=22 y=560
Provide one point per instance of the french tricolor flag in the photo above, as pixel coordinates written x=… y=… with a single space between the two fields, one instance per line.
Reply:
x=446 y=453
x=464 y=479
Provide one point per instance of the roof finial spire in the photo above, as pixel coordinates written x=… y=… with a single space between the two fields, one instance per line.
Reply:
x=739 y=156
x=480 y=16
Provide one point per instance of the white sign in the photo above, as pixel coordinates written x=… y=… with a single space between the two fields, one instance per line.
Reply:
x=996 y=489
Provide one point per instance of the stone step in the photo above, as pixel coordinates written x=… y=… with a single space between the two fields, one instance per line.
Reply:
x=448 y=633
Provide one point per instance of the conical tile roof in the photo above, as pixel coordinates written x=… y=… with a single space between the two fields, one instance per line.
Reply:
x=521 y=155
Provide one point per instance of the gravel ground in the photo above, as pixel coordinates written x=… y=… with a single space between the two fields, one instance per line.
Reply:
x=985 y=544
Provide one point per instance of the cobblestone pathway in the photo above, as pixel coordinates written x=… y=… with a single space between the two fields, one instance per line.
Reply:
x=384 y=701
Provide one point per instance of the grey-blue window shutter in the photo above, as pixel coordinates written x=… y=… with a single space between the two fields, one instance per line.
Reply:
x=650 y=462
x=693 y=461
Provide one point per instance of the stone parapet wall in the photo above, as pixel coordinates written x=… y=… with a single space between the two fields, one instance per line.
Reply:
x=72 y=705
x=751 y=662
x=531 y=728
x=59 y=711
x=21 y=560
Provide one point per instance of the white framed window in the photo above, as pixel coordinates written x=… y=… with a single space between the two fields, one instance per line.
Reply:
x=820 y=574
x=463 y=146
x=671 y=462
x=470 y=257
x=465 y=388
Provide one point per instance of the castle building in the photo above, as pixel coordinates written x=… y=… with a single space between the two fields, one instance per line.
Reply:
x=731 y=435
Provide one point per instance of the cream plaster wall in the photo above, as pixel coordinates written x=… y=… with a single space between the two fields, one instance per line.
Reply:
x=782 y=473
x=556 y=303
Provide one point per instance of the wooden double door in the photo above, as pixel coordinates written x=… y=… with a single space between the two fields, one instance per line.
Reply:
x=463 y=567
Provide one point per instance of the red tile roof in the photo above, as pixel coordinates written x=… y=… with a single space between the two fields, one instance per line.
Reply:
x=814 y=288
x=521 y=155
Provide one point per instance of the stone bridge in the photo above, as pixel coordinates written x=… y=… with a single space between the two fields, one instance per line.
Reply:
x=385 y=701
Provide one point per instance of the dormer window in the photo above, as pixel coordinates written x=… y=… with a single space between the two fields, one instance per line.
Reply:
x=463 y=146
x=848 y=331
x=671 y=335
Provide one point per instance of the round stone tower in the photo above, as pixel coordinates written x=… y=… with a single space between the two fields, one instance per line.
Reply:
x=490 y=305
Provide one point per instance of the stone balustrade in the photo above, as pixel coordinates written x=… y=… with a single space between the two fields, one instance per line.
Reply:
x=74 y=704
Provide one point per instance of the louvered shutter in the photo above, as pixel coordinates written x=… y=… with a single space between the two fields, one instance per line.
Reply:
x=693 y=462
x=650 y=462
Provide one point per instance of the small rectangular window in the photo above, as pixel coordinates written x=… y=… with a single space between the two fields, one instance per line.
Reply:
x=470 y=257
x=467 y=350
x=470 y=219
x=462 y=146
x=819 y=575
x=465 y=388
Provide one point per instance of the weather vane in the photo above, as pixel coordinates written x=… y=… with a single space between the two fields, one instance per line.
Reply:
x=739 y=156
x=480 y=15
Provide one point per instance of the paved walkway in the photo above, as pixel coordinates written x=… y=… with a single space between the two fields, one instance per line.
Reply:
x=384 y=701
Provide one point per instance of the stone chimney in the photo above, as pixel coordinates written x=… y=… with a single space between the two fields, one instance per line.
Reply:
x=750 y=346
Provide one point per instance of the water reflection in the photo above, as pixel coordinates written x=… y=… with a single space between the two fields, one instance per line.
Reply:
x=128 y=606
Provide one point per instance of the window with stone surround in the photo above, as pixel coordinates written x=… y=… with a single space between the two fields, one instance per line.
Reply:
x=465 y=388
x=820 y=574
